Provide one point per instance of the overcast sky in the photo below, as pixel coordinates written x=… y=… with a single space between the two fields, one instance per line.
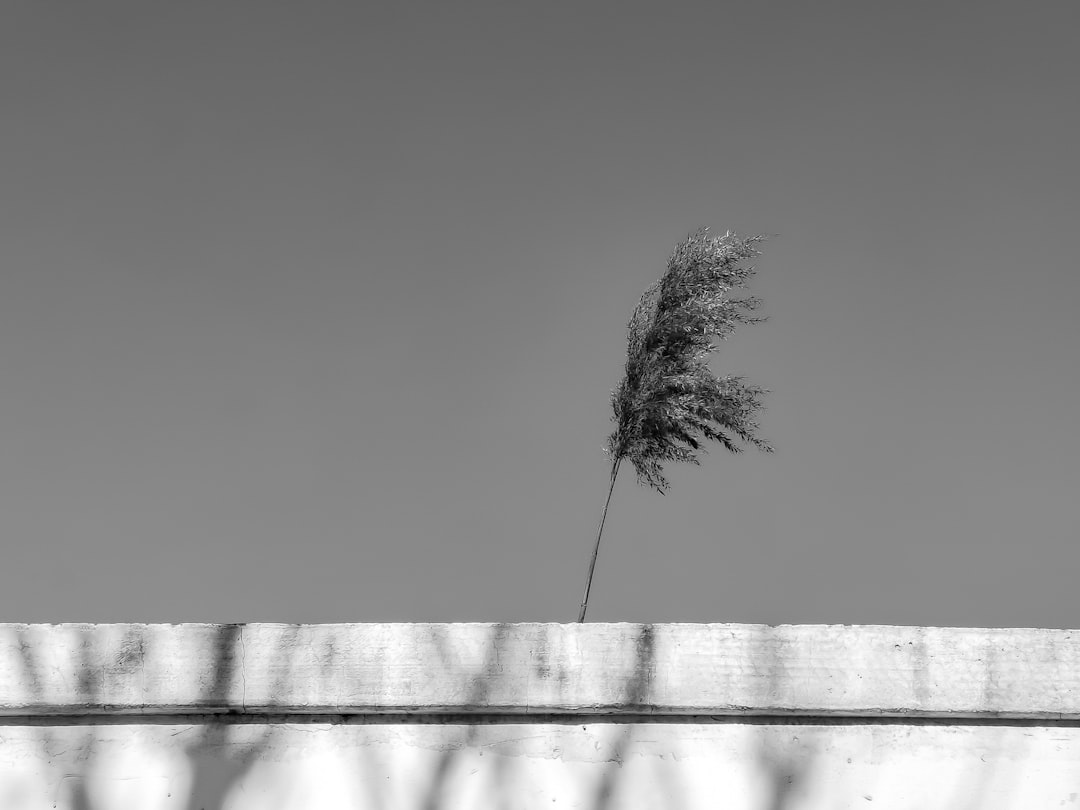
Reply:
x=311 y=311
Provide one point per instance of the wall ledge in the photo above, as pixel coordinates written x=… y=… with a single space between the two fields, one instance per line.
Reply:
x=592 y=669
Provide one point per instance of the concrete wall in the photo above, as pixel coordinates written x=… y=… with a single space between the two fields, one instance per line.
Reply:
x=425 y=716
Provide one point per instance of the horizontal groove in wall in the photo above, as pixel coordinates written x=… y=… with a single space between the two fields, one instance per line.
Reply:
x=38 y=720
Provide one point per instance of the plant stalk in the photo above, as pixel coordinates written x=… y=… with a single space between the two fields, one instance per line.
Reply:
x=596 y=550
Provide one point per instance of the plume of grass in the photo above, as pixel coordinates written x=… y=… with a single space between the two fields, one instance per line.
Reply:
x=669 y=403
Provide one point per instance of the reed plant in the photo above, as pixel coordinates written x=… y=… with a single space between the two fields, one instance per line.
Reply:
x=669 y=403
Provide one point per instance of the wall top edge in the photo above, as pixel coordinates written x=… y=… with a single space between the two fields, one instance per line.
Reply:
x=583 y=627
x=424 y=668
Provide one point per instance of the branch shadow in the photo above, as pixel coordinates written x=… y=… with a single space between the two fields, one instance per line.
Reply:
x=478 y=695
x=219 y=761
x=636 y=694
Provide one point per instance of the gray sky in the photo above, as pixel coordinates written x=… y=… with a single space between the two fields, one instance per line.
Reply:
x=311 y=311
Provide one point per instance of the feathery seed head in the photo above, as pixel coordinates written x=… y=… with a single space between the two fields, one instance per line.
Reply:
x=669 y=401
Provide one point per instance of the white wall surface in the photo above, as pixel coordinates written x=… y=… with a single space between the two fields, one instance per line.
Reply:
x=200 y=717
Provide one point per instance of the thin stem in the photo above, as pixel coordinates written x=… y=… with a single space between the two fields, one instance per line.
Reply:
x=596 y=550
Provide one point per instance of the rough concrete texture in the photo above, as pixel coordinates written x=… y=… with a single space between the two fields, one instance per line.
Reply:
x=198 y=717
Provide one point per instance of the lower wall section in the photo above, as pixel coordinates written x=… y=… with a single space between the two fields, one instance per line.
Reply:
x=401 y=764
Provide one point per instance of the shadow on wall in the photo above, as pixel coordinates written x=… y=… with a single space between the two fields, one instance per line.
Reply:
x=263 y=762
